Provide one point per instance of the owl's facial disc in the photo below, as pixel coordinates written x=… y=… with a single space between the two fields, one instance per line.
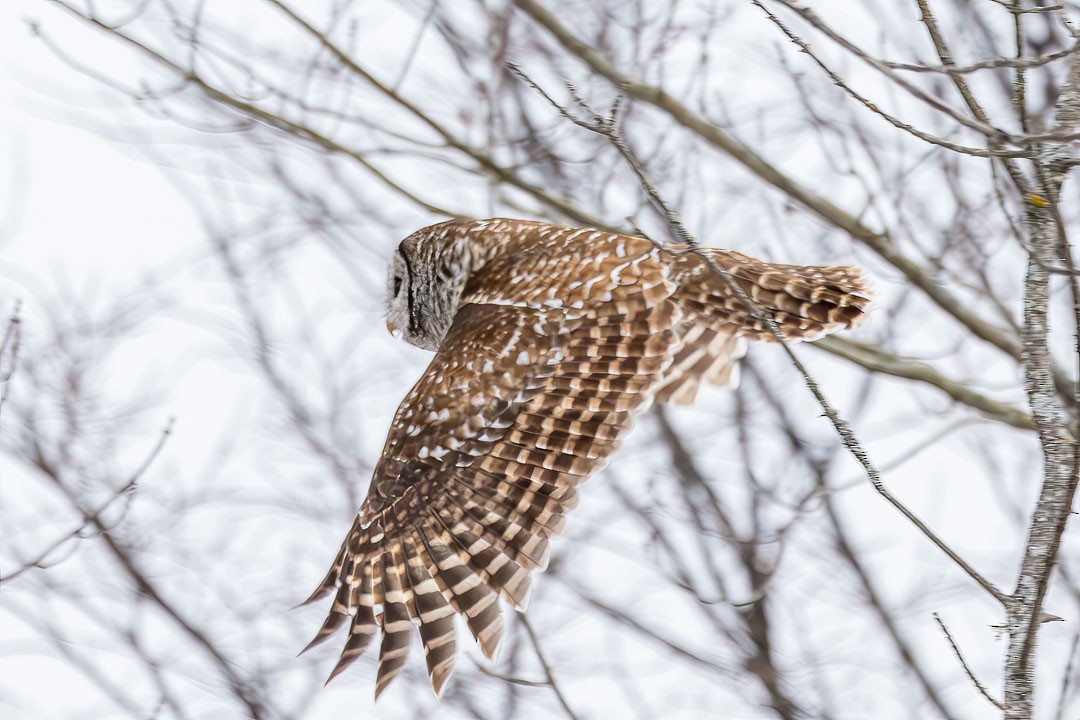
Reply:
x=423 y=289
x=397 y=282
x=397 y=295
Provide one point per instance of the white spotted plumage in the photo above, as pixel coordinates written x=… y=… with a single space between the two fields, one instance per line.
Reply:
x=548 y=342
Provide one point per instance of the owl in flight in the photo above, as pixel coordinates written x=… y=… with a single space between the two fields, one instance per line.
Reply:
x=548 y=342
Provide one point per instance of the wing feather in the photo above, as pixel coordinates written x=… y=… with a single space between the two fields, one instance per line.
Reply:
x=396 y=625
x=479 y=553
x=805 y=301
x=364 y=625
x=464 y=590
x=434 y=614
x=468 y=494
x=523 y=547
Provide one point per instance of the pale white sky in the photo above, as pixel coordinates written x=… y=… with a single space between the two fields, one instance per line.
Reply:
x=83 y=211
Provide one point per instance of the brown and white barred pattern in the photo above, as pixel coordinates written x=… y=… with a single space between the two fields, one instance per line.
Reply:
x=550 y=341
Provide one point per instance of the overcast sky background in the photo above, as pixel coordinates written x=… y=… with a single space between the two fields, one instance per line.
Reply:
x=88 y=216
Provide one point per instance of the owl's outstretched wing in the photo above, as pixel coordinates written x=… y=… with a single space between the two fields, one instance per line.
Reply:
x=518 y=407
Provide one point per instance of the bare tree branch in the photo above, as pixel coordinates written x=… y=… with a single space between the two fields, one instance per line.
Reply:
x=1056 y=432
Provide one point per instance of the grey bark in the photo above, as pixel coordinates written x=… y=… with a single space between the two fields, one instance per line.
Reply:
x=1056 y=435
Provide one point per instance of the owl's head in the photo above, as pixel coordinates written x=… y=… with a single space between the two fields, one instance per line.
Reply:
x=399 y=317
x=427 y=276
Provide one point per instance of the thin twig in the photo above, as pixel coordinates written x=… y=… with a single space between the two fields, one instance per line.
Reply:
x=513 y=680
x=875 y=359
x=486 y=163
x=990 y=64
x=811 y=17
x=874 y=108
x=941 y=47
x=246 y=692
x=963 y=663
x=608 y=127
x=94 y=516
x=547 y=668
x=9 y=351
x=1066 y=678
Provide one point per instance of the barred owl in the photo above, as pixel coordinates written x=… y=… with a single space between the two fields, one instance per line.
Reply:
x=548 y=342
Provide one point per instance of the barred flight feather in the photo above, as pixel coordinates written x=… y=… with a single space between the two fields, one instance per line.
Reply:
x=434 y=615
x=549 y=341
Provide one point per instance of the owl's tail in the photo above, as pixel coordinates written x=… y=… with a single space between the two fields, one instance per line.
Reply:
x=806 y=302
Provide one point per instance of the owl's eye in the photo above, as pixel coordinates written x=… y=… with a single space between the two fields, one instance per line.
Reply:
x=397 y=285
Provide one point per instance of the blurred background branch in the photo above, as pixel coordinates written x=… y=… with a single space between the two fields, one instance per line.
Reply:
x=733 y=558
